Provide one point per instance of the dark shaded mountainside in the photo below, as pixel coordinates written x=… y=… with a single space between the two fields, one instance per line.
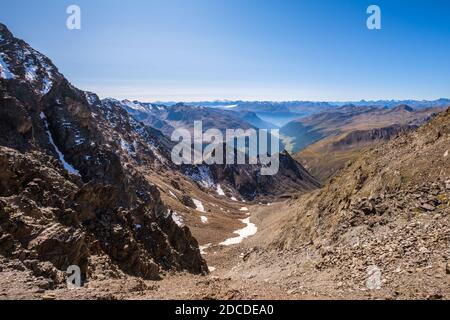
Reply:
x=68 y=195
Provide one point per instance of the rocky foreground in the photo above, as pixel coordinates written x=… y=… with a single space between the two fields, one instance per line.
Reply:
x=68 y=195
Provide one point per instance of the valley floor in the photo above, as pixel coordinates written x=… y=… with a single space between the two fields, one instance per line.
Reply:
x=245 y=271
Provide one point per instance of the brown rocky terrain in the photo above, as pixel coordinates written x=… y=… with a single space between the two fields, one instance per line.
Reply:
x=392 y=212
x=67 y=192
x=388 y=208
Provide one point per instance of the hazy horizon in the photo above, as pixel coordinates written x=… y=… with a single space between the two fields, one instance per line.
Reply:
x=274 y=101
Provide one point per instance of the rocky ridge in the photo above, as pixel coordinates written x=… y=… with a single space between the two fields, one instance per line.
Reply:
x=68 y=193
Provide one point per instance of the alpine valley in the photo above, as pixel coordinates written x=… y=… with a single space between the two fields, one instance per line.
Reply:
x=90 y=182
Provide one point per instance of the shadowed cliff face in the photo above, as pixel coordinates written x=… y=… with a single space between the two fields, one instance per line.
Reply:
x=67 y=194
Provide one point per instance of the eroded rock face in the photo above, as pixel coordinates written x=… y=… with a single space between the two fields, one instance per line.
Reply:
x=67 y=192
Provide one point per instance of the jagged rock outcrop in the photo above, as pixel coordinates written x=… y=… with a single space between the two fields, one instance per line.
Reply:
x=365 y=137
x=67 y=191
x=247 y=181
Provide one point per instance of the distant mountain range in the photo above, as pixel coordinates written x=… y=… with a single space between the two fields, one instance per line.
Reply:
x=298 y=105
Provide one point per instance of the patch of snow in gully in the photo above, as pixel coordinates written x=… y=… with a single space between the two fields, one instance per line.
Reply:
x=204 y=219
x=173 y=194
x=203 y=248
x=127 y=148
x=47 y=86
x=66 y=165
x=199 y=205
x=248 y=231
x=30 y=72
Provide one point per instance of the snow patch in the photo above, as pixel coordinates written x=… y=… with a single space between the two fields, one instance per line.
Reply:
x=199 y=205
x=233 y=198
x=204 y=219
x=446 y=154
x=211 y=269
x=30 y=73
x=177 y=219
x=243 y=209
x=4 y=69
x=203 y=248
x=157 y=154
x=35 y=69
x=66 y=165
x=78 y=139
x=127 y=147
x=244 y=233
x=173 y=194
x=230 y=106
x=220 y=190
x=133 y=106
x=47 y=86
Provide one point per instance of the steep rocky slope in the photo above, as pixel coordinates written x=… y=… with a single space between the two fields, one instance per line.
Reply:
x=291 y=179
x=389 y=209
x=68 y=194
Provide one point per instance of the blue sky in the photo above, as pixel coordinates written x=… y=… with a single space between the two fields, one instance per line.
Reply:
x=191 y=50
